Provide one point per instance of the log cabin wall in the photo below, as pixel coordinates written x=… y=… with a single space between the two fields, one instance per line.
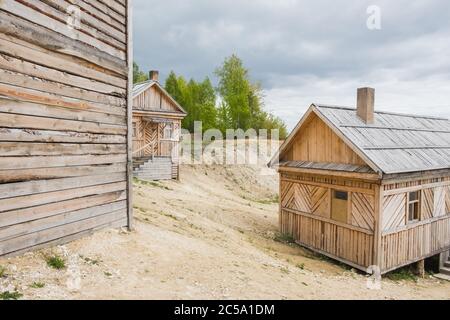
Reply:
x=404 y=242
x=64 y=140
x=305 y=214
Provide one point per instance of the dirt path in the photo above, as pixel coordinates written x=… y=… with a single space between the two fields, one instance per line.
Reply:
x=211 y=236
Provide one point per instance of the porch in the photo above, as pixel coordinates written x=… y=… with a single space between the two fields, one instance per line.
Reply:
x=155 y=148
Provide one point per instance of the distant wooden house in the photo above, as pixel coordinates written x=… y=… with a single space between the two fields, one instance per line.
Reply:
x=367 y=188
x=65 y=114
x=156 y=131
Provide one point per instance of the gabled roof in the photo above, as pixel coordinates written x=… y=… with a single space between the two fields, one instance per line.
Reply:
x=395 y=143
x=143 y=86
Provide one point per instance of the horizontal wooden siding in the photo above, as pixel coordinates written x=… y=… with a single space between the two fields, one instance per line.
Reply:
x=63 y=121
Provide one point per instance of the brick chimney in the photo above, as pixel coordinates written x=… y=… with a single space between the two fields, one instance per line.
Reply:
x=366 y=105
x=154 y=75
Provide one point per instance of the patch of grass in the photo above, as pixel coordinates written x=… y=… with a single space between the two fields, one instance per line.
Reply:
x=55 y=262
x=3 y=273
x=108 y=274
x=37 y=285
x=404 y=274
x=171 y=216
x=284 y=238
x=284 y=270
x=274 y=199
x=301 y=266
x=91 y=261
x=150 y=184
x=10 y=295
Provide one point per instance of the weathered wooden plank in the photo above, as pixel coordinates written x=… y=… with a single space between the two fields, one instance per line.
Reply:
x=62 y=16
x=38 y=18
x=24 y=135
x=20 y=216
x=21 y=175
x=50 y=99
x=89 y=19
x=106 y=10
x=42 y=186
x=130 y=216
x=69 y=238
x=43 y=198
x=65 y=83
x=55 y=112
x=48 y=39
x=53 y=221
x=27 y=51
x=17 y=163
x=116 y=6
x=14 y=149
x=34 y=239
x=30 y=122
x=98 y=14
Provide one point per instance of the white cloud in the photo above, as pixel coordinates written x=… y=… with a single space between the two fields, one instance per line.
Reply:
x=306 y=51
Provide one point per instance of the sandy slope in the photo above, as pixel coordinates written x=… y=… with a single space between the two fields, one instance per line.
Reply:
x=211 y=236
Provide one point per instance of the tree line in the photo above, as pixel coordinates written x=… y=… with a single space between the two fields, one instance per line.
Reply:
x=236 y=103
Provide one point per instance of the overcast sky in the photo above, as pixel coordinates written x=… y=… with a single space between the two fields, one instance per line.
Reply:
x=305 y=51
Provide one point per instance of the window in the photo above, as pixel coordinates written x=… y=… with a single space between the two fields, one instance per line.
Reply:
x=134 y=130
x=168 y=131
x=413 y=206
x=339 y=206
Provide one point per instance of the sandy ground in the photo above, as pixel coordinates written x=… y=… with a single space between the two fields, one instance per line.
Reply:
x=211 y=236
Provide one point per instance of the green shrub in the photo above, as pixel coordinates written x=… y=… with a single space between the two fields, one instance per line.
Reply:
x=37 y=285
x=284 y=238
x=404 y=274
x=3 y=272
x=55 y=262
x=10 y=295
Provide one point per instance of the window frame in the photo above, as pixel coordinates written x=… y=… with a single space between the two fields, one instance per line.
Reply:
x=333 y=193
x=167 y=127
x=134 y=130
x=410 y=202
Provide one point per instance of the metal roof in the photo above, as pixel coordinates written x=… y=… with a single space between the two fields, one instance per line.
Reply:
x=140 y=87
x=394 y=143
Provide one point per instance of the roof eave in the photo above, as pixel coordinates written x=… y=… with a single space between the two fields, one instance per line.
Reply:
x=275 y=159
x=315 y=109
x=360 y=152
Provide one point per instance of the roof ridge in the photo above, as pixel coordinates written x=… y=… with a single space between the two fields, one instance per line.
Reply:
x=408 y=115
x=143 y=82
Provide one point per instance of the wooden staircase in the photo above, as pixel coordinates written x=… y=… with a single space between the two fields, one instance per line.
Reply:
x=445 y=267
x=152 y=169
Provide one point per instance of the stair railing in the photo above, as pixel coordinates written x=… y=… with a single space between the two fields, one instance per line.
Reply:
x=172 y=144
x=151 y=144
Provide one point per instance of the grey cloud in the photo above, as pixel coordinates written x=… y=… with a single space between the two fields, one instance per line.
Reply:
x=304 y=51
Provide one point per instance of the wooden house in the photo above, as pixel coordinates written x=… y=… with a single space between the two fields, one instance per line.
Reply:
x=367 y=188
x=65 y=146
x=156 y=131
